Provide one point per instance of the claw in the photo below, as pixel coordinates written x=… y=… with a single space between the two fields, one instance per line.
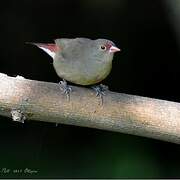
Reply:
x=65 y=88
x=100 y=91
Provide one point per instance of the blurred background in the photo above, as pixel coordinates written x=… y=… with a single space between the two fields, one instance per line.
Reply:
x=148 y=33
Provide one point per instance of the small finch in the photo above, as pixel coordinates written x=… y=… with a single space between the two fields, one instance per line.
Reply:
x=81 y=60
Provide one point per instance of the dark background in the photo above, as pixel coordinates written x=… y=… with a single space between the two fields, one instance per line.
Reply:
x=148 y=66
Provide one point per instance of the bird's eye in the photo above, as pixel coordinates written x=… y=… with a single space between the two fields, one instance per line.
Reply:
x=103 y=47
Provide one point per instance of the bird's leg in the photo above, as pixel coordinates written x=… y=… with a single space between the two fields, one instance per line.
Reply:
x=100 y=91
x=65 y=88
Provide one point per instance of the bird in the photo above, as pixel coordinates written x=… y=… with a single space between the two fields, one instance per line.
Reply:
x=81 y=61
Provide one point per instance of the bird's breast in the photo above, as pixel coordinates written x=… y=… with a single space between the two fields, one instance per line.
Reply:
x=82 y=73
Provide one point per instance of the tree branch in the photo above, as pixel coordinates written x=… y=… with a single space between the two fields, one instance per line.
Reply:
x=43 y=101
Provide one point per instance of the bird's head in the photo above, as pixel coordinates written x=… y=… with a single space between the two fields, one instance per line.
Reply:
x=104 y=49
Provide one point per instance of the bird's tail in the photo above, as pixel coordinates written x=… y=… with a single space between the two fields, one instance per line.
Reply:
x=49 y=48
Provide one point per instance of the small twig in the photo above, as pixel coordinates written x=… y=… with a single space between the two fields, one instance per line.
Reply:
x=17 y=115
x=43 y=101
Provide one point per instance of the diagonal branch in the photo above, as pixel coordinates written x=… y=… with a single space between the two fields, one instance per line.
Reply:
x=43 y=101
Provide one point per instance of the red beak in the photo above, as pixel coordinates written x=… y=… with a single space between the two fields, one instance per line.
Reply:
x=114 y=49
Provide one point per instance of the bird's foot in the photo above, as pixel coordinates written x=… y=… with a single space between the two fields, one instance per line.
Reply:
x=65 y=88
x=100 y=91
